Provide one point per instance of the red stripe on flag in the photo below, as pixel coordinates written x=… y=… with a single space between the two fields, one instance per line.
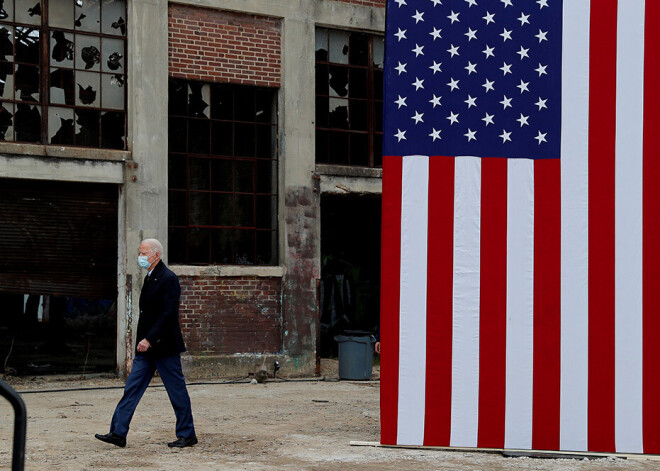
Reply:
x=547 y=304
x=437 y=421
x=492 y=298
x=389 y=300
x=651 y=229
x=602 y=131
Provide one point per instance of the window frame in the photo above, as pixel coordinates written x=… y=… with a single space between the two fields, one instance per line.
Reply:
x=183 y=158
x=46 y=67
x=371 y=130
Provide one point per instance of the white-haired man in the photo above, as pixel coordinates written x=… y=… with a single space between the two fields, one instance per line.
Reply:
x=159 y=348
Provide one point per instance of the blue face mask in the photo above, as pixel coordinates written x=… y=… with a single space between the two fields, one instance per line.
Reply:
x=143 y=261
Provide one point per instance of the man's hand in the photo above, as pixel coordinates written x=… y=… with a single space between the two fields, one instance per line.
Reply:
x=377 y=347
x=143 y=346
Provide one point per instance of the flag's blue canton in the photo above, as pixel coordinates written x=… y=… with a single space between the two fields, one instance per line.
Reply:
x=473 y=77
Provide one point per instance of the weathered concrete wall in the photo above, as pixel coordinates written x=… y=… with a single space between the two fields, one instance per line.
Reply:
x=146 y=196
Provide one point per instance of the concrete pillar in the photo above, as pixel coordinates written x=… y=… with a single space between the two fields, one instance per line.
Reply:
x=299 y=198
x=145 y=198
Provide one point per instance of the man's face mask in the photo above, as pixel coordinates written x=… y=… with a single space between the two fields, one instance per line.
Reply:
x=143 y=261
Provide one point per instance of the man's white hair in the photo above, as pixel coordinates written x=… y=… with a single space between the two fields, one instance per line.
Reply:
x=156 y=246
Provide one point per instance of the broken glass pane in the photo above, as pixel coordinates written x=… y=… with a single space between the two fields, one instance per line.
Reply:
x=338 y=80
x=26 y=83
x=7 y=122
x=379 y=51
x=113 y=126
x=222 y=210
x=27 y=123
x=322 y=79
x=6 y=80
x=322 y=111
x=88 y=15
x=60 y=125
x=26 y=42
x=321 y=44
x=62 y=87
x=7 y=10
x=61 y=49
x=88 y=52
x=339 y=46
x=178 y=97
x=114 y=17
x=359 y=49
x=199 y=97
x=113 y=55
x=28 y=11
x=60 y=13
x=88 y=84
x=338 y=116
x=6 y=43
x=87 y=127
x=112 y=86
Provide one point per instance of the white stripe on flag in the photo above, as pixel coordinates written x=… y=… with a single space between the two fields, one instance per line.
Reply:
x=628 y=226
x=412 y=310
x=465 y=337
x=574 y=225
x=519 y=304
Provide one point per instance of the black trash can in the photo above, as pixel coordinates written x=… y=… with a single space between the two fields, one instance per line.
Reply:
x=356 y=355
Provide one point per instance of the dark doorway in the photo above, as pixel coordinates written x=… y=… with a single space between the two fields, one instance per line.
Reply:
x=350 y=267
x=58 y=277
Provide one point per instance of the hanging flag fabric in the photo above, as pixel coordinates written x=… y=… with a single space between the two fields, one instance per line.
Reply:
x=521 y=225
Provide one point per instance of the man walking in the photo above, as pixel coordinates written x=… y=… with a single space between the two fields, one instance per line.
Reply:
x=159 y=348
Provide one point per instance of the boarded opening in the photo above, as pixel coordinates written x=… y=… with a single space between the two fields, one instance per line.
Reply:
x=350 y=267
x=58 y=277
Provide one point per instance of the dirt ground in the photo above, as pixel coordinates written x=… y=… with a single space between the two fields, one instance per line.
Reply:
x=288 y=425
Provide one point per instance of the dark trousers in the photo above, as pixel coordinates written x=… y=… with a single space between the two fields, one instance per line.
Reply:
x=143 y=370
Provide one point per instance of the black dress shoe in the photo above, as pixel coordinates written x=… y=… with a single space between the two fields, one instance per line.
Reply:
x=112 y=438
x=183 y=442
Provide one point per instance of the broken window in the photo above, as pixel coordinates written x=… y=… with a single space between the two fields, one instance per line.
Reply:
x=349 y=98
x=222 y=174
x=84 y=63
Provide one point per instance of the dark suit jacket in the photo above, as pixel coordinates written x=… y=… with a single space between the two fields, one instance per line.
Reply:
x=159 y=313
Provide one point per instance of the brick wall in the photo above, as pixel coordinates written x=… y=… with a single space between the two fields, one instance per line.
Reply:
x=226 y=315
x=220 y=46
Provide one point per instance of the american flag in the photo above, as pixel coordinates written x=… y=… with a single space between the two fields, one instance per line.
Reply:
x=521 y=213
